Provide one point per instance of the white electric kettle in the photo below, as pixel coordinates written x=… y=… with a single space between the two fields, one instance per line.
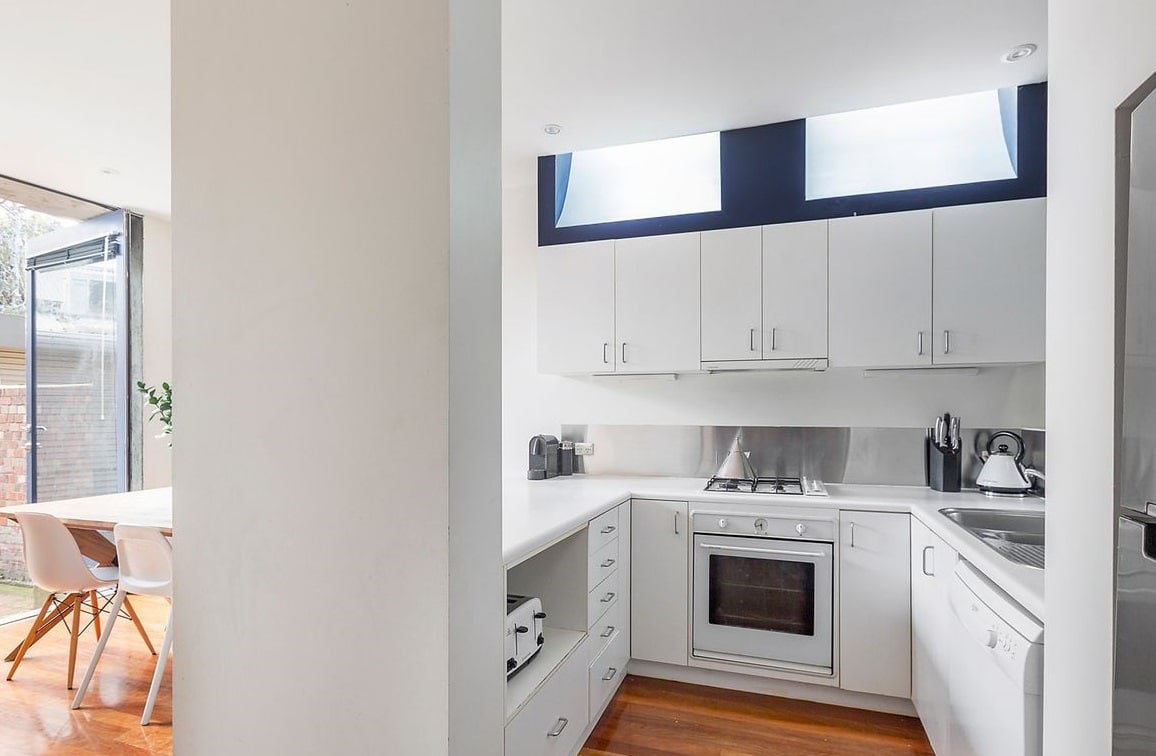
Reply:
x=1002 y=473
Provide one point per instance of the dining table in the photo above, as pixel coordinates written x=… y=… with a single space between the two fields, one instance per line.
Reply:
x=90 y=517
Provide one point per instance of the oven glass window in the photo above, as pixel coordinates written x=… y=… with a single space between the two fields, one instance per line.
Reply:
x=762 y=594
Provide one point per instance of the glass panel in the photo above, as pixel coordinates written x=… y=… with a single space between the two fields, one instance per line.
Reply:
x=762 y=594
x=942 y=142
x=78 y=451
x=646 y=180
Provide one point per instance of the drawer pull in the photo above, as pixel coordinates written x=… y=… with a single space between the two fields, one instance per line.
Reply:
x=562 y=722
x=607 y=632
x=609 y=597
x=608 y=530
x=608 y=563
x=610 y=673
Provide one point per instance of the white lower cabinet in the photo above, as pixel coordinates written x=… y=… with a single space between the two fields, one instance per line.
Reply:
x=932 y=565
x=607 y=671
x=554 y=720
x=659 y=616
x=875 y=603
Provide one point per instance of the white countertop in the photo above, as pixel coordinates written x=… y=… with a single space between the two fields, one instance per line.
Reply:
x=537 y=513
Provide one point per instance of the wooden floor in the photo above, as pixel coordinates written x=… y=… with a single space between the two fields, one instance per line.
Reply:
x=650 y=717
x=35 y=717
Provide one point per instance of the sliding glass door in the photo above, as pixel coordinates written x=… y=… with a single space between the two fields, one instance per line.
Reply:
x=78 y=385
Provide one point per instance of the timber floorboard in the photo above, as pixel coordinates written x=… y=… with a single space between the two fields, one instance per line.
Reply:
x=649 y=717
x=35 y=717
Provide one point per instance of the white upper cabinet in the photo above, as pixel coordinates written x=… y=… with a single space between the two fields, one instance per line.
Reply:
x=795 y=291
x=880 y=290
x=732 y=294
x=989 y=264
x=657 y=304
x=576 y=308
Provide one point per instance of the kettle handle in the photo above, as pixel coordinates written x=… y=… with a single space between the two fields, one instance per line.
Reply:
x=1008 y=434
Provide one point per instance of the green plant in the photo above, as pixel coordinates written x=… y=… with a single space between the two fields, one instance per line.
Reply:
x=162 y=401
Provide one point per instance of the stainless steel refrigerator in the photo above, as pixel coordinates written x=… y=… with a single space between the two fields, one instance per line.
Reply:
x=1134 y=707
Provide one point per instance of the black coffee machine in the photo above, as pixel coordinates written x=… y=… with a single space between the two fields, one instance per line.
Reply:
x=544 y=462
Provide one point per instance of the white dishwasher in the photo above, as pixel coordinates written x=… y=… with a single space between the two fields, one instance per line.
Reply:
x=997 y=671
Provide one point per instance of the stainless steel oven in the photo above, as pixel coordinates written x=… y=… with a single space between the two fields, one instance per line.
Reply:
x=763 y=590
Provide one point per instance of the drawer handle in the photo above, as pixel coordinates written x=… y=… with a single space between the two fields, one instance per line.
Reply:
x=607 y=530
x=562 y=722
x=609 y=597
x=607 y=632
x=610 y=673
x=608 y=563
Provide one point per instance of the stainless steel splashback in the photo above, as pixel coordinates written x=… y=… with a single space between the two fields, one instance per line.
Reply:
x=893 y=456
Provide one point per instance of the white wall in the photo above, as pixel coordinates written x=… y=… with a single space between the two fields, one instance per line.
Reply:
x=1099 y=53
x=157 y=294
x=534 y=403
x=310 y=216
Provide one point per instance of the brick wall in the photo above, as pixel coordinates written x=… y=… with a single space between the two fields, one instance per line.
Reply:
x=13 y=481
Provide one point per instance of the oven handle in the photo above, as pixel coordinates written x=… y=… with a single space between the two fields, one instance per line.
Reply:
x=751 y=549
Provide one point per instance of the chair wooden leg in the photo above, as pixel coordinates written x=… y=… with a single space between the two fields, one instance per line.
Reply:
x=54 y=619
x=95 y=613
x=77 y=603
x=30 y=639
x=140 y=628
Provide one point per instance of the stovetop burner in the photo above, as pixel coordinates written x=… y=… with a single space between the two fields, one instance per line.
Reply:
x=788 y=486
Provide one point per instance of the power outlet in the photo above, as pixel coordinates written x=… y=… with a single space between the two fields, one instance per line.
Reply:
x=583 y=449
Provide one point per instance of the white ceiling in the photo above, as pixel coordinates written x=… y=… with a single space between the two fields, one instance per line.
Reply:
x=86 y=89
x=613 y=72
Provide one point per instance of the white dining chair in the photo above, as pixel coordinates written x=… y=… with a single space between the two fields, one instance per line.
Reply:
x=56 y=565
x=146 y=568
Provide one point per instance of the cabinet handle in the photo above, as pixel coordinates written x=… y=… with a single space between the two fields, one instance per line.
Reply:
x=605 y=359
x=607 y=632
x=610 y=673
x=852 y=535
x=608 y=530
x=946 y=341
x=624 y=353
x=562 y=722
x=753 y=347
x=609 y=597
x=919 y=343
x=774 y=346
x=927 y=549
x=608 y=563
x=676 y=523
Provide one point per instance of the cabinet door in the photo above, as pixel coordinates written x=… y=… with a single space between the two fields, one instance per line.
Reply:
x=732 y=278
x=576 y=308
x=875 y=603
x=989 y=282
x=932 y=564
x=795 y=291
x=659 y=615
x=656 y=304
x=880 y=290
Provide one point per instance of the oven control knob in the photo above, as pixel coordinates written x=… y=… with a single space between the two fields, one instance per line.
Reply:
x=800 y=528
x=722 y=523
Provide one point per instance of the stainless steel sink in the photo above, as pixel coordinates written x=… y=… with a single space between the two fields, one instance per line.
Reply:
x=1016 y=535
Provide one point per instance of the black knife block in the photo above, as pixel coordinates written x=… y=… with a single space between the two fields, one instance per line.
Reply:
x=944 y=468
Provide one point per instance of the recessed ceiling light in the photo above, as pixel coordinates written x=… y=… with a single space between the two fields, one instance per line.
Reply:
x=552 y=129
x=1018 y=53
x=110 y=171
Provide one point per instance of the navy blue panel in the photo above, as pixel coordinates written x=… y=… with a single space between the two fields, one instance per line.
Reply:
x=764 y=182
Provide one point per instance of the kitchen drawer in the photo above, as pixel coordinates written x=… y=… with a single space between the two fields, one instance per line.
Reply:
x=609 y=627
x=555 y=718
x=603 y=530
x=602 y=563
x=604 y=596
x=607 y=671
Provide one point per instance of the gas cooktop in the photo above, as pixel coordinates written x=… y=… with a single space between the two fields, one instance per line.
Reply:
x=761 y=485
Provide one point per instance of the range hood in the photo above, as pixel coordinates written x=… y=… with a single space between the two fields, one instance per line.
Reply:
x=721 y=366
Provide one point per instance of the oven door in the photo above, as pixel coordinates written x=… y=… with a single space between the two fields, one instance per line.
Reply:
x=764 y=601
